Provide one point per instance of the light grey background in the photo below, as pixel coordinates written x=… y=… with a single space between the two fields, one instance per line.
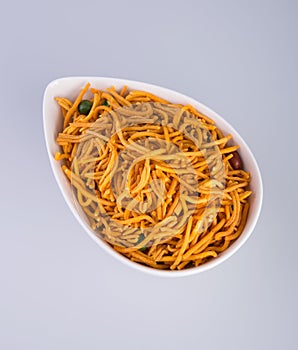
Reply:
x=58 y=289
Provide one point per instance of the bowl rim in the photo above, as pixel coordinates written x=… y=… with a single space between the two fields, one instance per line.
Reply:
x=104 y=245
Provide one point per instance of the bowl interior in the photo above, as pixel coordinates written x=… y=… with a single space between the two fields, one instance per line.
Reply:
x=69 y=87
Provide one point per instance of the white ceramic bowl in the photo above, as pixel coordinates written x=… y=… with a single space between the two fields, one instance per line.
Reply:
x=69 y=87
